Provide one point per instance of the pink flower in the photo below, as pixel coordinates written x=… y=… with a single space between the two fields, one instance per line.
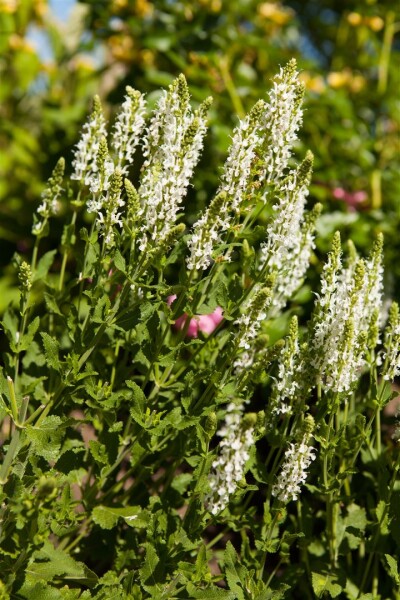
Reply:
x=204 y=323
x=352 y=199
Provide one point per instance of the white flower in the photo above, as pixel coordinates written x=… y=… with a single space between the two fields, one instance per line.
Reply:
x=293 y=475
x=84 y=162
x=228 y=467
x=283 y=119
x=128 y=127
x=344 y=315
x=172 y=147
x=290 y=235
x=391 y=355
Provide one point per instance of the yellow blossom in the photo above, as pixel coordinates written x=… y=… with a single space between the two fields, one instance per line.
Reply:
x=375 y=23
x=276 y=13
x=8 y=6
x=354 y=19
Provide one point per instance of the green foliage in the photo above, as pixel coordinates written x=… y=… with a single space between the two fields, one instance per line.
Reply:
x=112 y=413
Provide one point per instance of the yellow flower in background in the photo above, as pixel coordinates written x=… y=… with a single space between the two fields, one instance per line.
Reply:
x=212 y=5
x=143 y=8
x=8 y=6
x=40 y=8
x=338 y=79
x=18 y=42
x=355 y=19
x=375 y=23
x=315 y=83
x=275 y=12
x=346 y=78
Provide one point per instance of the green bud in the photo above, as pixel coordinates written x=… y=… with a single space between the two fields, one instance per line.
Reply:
x=305 y=169
x=210 y=426
x=249 y=421
x=25 y=277
x=308 y=425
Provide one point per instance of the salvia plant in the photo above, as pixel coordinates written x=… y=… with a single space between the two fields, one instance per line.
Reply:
x=172 y=424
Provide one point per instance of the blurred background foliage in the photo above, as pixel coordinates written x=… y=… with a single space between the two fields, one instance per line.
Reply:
x=54 y=56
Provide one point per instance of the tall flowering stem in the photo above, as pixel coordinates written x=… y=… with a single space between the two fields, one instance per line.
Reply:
x=128 y=128
x=290 y=234
x=259 y=155
x=344 y=315
x=391 y=366
x=282 y=119
x=50 y=196
x=298 y=457
x=228 y=468
x=172 y=148
x=84 y=162
x=288 y=383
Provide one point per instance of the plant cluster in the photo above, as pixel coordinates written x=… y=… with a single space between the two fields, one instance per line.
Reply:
x=168 y=428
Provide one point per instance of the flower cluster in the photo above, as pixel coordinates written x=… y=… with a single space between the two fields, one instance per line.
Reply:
x=249 y=324
x=172 y=146
x=286 y=386
x=228 y=467
x=298 y=458
x=259 y=154
x=50 y=196
x=391 y=367
x=346 y=316
x=128 y=127
x=283 y=119
x=290 y=234
x=84 y=163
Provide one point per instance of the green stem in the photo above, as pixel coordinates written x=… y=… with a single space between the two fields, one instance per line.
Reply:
x=65 y=258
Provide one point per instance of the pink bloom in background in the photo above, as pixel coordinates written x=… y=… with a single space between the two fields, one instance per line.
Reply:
x=352 y=199
x=203 y=323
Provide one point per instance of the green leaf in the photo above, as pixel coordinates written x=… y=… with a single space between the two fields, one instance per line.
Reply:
x=119 y=262
x=393 y=568
x=44 y=265
x=324 y=582
x=46 y=438
x=233 y=571
x=51 y=348
x=149 y=565
x=107 y=517
x=210 y=593
x=99 y=452
x=137 y=409
x=50 y=562
x=51 y=304
x=26 y=339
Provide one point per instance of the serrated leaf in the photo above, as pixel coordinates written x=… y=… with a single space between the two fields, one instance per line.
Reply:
x=50 y=562
x=393 y=568
x=233 y=571
x=26 y=339
x=44 y=265
x=46 y=438
x=210 y=593
x=138 y=406
x=150 y=563
x=52 y=304
x=201 y=562
x=99 y=452
x=51 y=349
x=107 y=517
x=119 y=262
